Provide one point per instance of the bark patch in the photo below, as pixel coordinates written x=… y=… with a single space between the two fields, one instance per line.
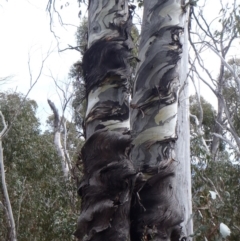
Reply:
x=106 y=187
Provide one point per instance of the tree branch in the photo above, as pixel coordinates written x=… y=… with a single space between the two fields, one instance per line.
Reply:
x=4 y=185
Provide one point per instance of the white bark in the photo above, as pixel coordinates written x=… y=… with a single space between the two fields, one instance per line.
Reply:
x=60 y=151
x=200 y=133
x=4 y=185
x=183 y=173
x=57 y=140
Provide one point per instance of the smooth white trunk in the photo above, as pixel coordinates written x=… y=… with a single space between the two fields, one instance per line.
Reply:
x=61 y=154
x=183 y=173
x=4 y=185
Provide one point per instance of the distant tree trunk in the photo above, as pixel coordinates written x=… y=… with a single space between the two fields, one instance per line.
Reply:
x=58 y=142
x=108 y=173
x=219 y=118
x=8 y=208
x=158 y=207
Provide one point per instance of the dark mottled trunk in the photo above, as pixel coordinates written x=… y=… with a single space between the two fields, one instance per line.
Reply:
x=157 y=211
x=106 y=188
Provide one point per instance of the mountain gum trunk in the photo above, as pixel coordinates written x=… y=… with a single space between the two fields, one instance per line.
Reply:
x=157 y=211
x=105 y=66
x=183 y=172
x=108 y=181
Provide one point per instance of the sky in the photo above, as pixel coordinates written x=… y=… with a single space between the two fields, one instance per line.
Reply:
x=25 y=36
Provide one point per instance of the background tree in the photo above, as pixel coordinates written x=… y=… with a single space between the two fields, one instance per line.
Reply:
x=214 y=181
x=37 y=188
x=219 y=39
x=202 y=125
x=215 y=194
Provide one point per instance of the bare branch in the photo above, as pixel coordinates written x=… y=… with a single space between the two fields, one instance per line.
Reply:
x=228 y=142
x=225 y=63
x=200 y=134
x=32 y=84
x=71 y=48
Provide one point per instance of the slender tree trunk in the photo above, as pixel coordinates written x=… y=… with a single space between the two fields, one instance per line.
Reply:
x=58 y=142
x=108 y=173
x=219 y=118
x=157 y=209
x=183 y=172
x=13 y=233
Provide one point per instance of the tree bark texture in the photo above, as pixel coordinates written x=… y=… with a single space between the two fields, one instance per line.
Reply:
x=183 y=171
x=157 y=210
x=106 y=188
x=105 y=66
x=107 y=184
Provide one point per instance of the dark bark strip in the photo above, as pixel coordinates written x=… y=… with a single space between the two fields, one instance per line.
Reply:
x=109 y=176
x=106 y=188
x=157 y=212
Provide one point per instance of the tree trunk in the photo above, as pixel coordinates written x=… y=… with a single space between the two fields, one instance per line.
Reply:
x=57 y=140
x=9 y=213
x=157 y=209
x=183 y=172
x=108 y=173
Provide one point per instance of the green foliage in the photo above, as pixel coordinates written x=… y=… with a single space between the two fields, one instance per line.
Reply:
x=82 y=35
x=208 y=120
x=208 y=114
x=38 y=192
x=231 y=94
x=208 y=212
x=140 y=3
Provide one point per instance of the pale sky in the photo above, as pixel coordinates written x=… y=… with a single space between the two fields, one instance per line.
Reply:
x=24 y=30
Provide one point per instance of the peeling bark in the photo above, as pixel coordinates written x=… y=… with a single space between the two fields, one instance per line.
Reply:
x=157 y=211
x=109 y=176
x=106 y=188
x=106 y=69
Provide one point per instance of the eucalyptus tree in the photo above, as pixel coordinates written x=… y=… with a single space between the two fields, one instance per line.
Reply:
x=160 y=209
x=159 y=116
x=36 y=186
x=215 y=200
x=202 y=120
x=108 y=173
x=216 y=35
